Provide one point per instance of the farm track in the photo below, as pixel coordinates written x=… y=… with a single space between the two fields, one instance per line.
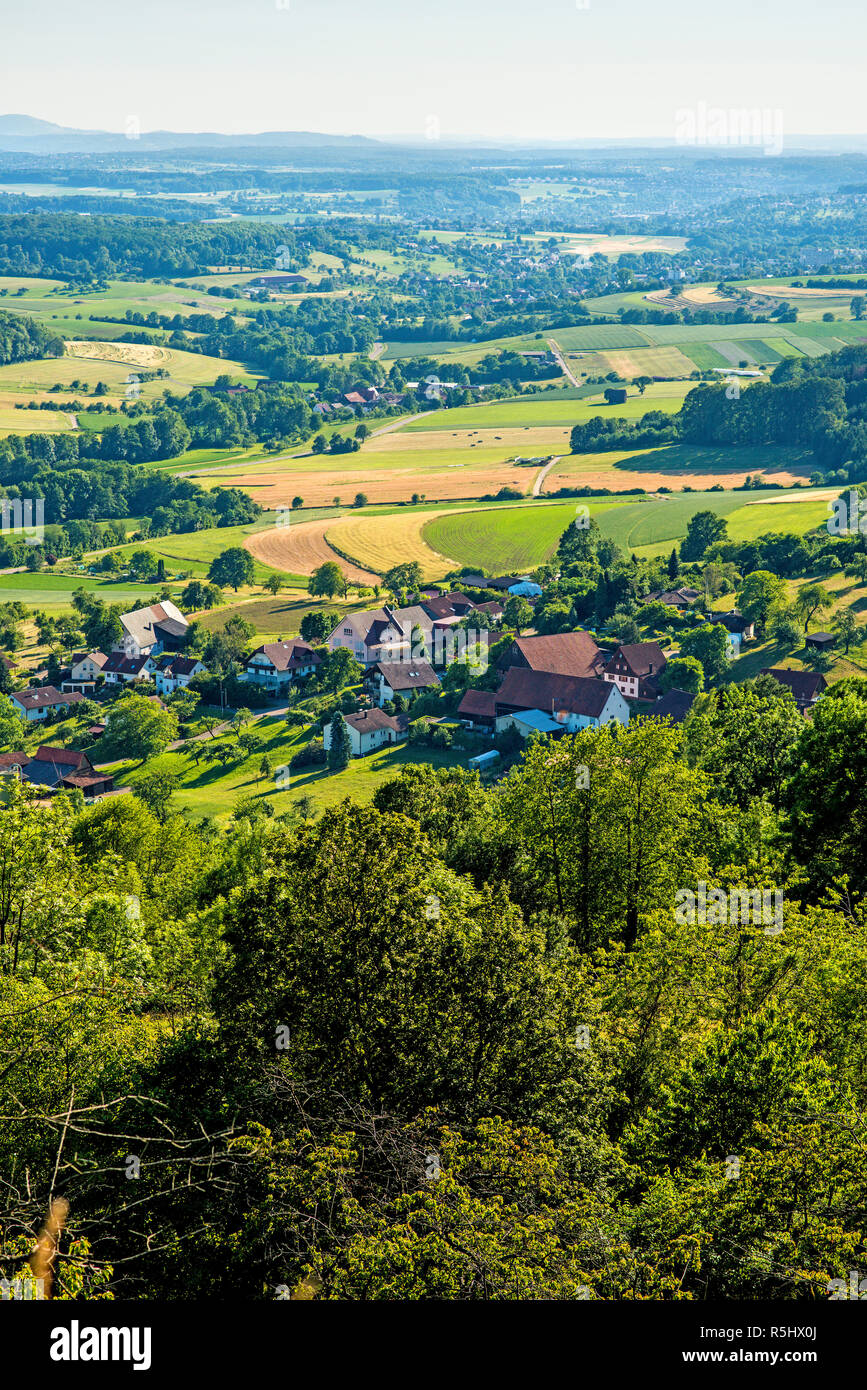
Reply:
x=561 y=362
x=542 y=475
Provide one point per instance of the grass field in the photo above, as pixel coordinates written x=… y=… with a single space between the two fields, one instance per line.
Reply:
x=14 y=421
x=511 y=540
x=652 y=527
x=53 y=592
x=541 y=411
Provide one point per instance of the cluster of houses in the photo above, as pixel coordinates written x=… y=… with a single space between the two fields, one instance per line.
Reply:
x=148 y=649
x=362 y=398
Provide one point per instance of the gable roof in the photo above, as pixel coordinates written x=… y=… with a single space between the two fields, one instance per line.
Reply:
x=563 y=653
x=447 y=605
x=140 y=624
x=552 y=693
x=369 y=721
x=122 y=665
x=804 y=685
x=672 y=598
x=169 y=664
x=98 y=658
x=478 y=704
x=674 y=705
x=641 y=658
x=407 y=675
x=286 y=656
x=732 y=622
x=67 y=756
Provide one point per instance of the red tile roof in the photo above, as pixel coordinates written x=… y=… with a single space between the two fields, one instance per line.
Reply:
x=553 y=693
x=564 y=653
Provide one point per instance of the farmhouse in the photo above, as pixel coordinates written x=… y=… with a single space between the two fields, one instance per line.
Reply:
x=570 y=703
x=85 y=668
x=806 y=686
x=277 y=664
x=736 y=624
x=562 y=653
x=390 y=678
x=149 y=631
x=175 y=672
x=369 y=730
x=38 y=702
x=635 y=668
x=452 y=605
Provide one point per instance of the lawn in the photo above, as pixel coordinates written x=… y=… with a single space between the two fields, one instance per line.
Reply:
x=209 y=790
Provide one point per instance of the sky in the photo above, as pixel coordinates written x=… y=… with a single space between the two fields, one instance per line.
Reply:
x=526 y=69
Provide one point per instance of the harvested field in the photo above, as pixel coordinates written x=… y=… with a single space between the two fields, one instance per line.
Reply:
x=790 y=292
x=302 y=548
x=475 y=478
x=385 y=541
x=131 y=354
x=660 y=361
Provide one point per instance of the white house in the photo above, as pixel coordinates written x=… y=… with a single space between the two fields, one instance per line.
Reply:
x=277 y=664
x=543 y=702
x=37 y=702
x=369 y=730
x=121 y=670
x=175 y=672
x=85 y=668
x=380 y=634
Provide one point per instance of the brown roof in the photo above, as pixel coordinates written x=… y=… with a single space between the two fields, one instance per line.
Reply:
x=478 y=704
x=448 y=604
x=14 y=759
x=563 y=653
x=407 y=675
x=37 y=697
x=285 y=656
x=68 y=756
x=804 y=685
x=551 y=692
x=87 y=779
x=642 y=658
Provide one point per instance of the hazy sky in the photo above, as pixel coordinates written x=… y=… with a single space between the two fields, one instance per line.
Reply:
x=527 y=68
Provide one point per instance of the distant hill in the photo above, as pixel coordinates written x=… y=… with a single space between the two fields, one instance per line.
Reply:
x=20 y=134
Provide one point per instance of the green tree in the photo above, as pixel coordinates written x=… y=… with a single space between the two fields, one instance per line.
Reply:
x=138 y=728
x=518 y=613
x=709 y=644
x=703 y=530
x=233 y=567
x=326 y=580
x=340 y=747
x=683 y=673
x=810 y=600
x=156 y=789
x=760 y=592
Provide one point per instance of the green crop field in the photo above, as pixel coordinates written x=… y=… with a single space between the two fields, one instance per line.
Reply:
x=519 y=538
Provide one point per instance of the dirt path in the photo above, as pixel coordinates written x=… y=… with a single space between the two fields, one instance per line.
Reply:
x=561 y=361
x=542 y=475
x=396 y=424
x=301 y=548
